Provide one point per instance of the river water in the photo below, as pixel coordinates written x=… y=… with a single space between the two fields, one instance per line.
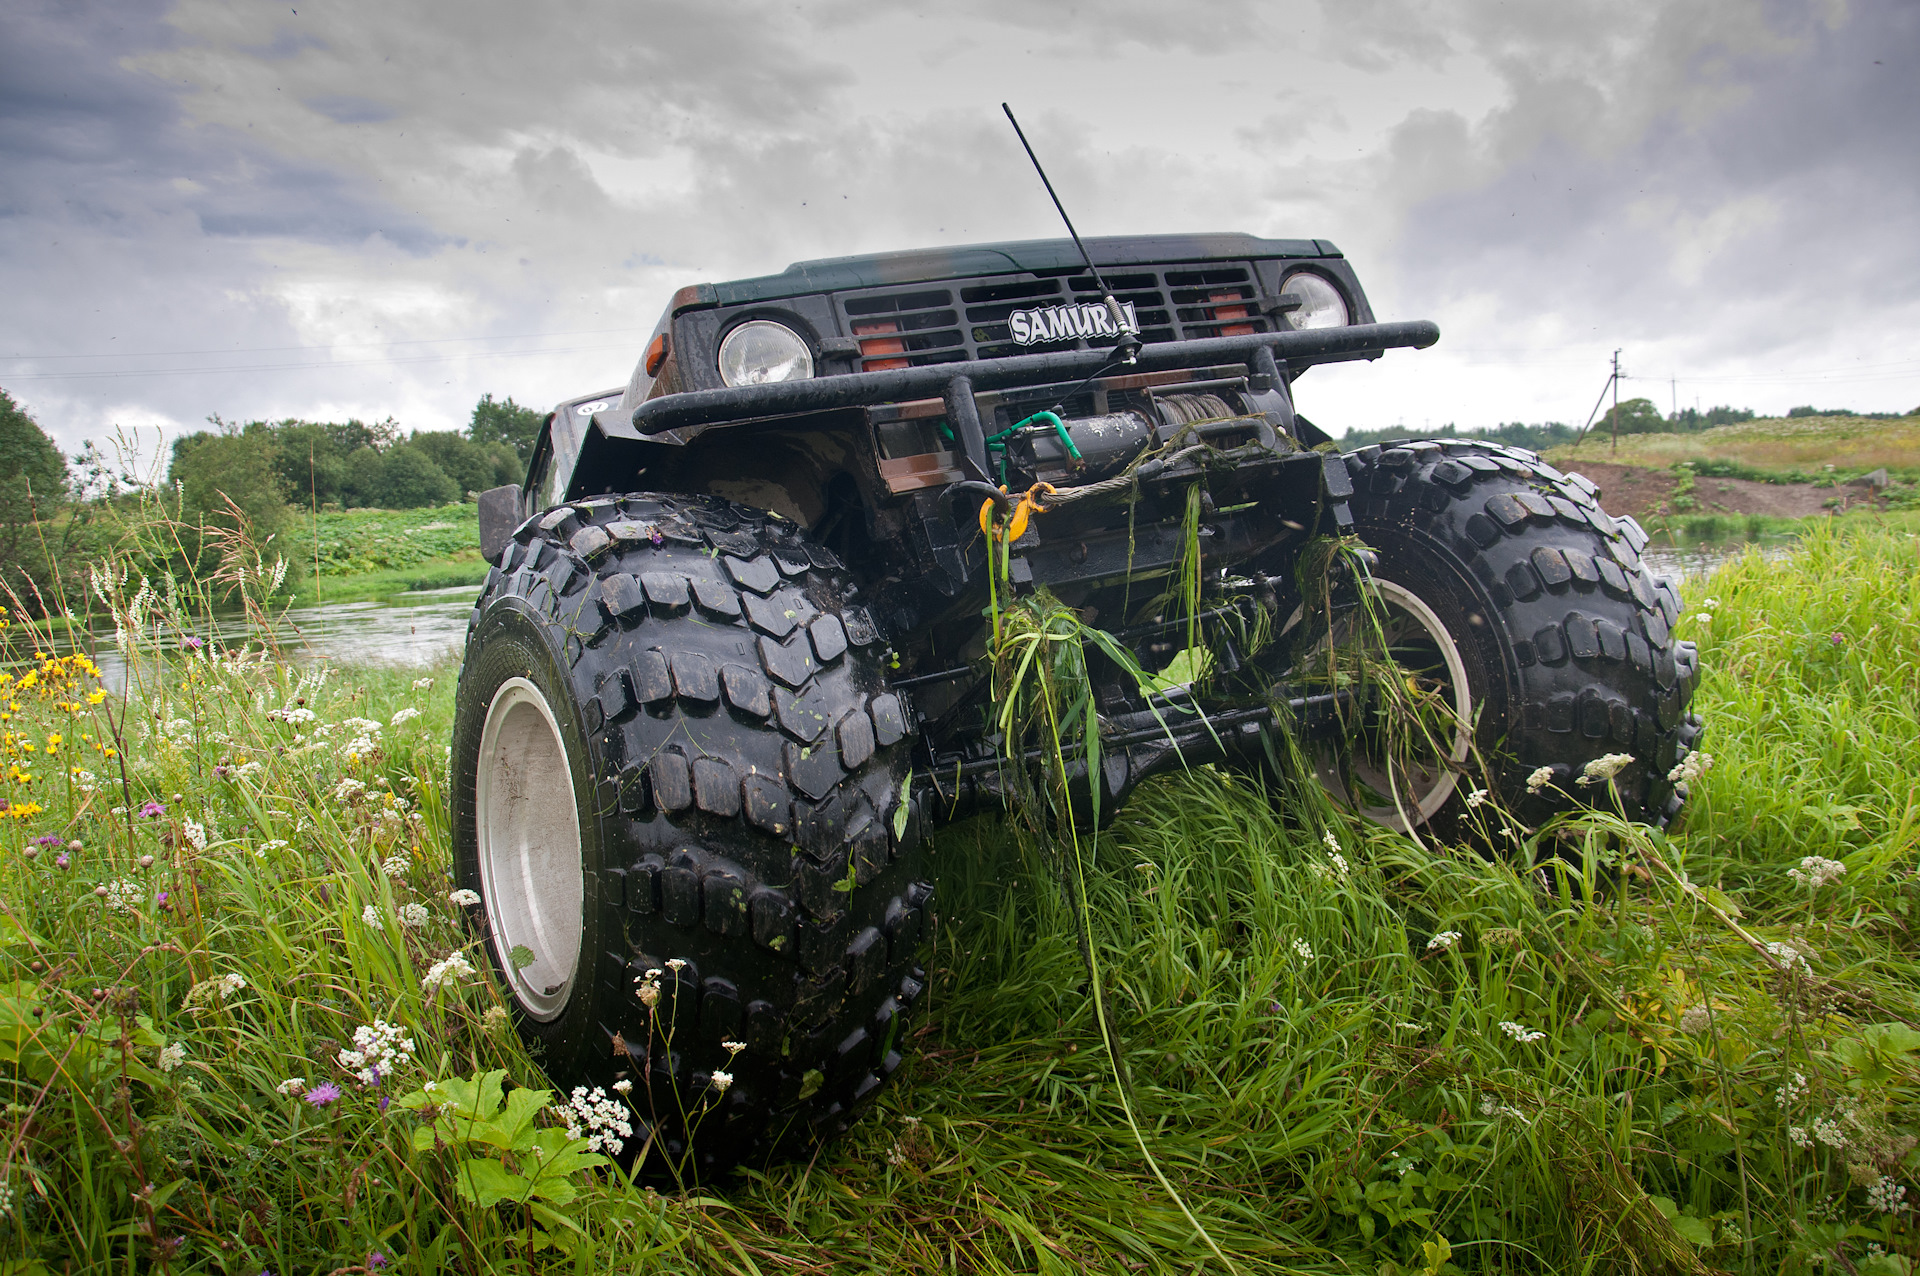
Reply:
x=427 y=626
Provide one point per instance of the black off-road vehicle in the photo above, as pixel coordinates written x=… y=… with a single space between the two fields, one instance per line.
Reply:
x=728 y=669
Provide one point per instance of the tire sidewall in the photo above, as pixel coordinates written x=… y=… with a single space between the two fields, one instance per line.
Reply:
x=511 y=641
x=1433 y=573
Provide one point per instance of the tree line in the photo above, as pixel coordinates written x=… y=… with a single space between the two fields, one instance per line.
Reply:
x=262 y=473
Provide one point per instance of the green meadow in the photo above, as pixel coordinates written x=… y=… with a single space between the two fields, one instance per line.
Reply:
x=1698 y=1050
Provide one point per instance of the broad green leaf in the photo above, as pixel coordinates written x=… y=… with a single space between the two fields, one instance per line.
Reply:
x=1695 y=1231
x=513 y=1128
x=901 y=812
x=486 y=1182
x=14 y=934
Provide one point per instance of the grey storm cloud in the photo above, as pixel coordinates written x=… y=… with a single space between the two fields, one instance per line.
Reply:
x=1762 y=185
x=364 y=208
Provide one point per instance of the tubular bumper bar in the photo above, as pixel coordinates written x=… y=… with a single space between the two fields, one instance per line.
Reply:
x=953 y=381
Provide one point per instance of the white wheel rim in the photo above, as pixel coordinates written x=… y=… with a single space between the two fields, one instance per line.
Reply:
x=1429 y=784
x=531 y=872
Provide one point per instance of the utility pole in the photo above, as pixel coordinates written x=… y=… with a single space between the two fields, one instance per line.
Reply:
x=1614 y=381
x=1673 y=395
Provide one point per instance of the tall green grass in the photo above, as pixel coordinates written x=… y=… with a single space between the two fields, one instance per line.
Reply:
x=1310 y=1014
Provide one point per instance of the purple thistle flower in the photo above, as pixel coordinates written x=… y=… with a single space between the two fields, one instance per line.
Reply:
x=376 y=1260
x=152 y=810
x=385 y=1099
x=221 y=771
x=51 y=839
x=61 y=860
x=161 y=899
x=323 y=1094
x=1839 y=640
x=192 y=644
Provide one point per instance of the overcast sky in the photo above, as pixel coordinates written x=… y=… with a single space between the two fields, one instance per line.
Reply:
x=366 y=208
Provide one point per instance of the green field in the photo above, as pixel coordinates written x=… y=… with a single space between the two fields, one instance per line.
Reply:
x=1782 y=449
x=1385 y=1059
x=366 y=553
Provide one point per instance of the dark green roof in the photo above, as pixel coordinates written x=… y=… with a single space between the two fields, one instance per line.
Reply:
x=876 y=270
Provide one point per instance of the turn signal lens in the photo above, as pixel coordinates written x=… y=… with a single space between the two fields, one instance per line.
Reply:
x=656 y=354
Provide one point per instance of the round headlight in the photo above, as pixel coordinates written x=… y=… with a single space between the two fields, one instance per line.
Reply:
x=1321 y=305
x=761 y=351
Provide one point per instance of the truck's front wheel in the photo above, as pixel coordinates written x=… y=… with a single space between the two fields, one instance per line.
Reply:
x=677 y=782
x=1523 y=633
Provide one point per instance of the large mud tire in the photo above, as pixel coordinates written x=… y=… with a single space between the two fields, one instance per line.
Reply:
x=674 y=751
x=1565 y=639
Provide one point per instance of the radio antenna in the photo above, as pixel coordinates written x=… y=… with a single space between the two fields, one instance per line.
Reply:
x=1129 y=347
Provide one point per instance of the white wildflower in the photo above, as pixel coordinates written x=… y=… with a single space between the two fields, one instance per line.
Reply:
x=1444 y=940
x=1793 y=1091
x=348 y=789
x=274 y=844
x=404 y=716
x=1798 y=1136
x=496 y=1019
x=1490 y=1106
x=623 y=1086
x=676 y=964
x=1333 y=843
x=292 y=1086
x=463 y=898
x=1705 y=618
x=648 y=989
x=361 y=726
x=222 y=987
x=1604 y=768
x=1519 y=1032
x=1477 y=798
x=380 y=1049
x=1303 y=950
x=1828 y=1131
x=413 y=916
x=1691 y=768
x=122 y=896
x=1816 y=871
x=422 y=684
x=1792 y=958
x=1884 y=1196
x=293 y=715
x=1709 y=603
x=1540 y=779
x=172 y=1056
x=721 y=1080
x=196 y=834
x=396 y=866
x=445 y=971
x=371 y=916
x=601 y=1121
x=1697 y=1019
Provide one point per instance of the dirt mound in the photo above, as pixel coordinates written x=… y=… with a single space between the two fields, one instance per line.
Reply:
x=1644 y=493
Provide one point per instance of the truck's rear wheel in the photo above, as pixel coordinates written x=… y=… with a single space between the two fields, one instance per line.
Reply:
x=1519 y=614
x=674 y=752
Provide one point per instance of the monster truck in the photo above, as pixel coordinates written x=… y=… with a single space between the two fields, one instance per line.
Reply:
x=727 y=670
